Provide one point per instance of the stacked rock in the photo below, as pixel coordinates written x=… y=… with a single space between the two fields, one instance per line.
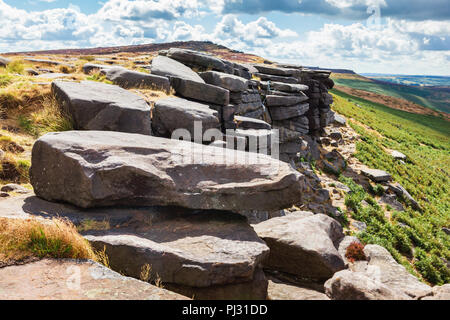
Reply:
x=318 y=82
x=225 y=87
x=287 y=106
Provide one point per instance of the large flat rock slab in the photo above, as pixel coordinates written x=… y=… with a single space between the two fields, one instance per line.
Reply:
x=276 y=71
x=303 y=245
x=201 y=254
x=74 y=280
x=99 y=106
x=198 y=59
x=284 y=101
x=226 y=81
x=98 y=168
x=197 y=249
x=285 y=113
x=200 y=91
x=175 y=113
x=283 y=87
x=133 y=79
x=164 y=66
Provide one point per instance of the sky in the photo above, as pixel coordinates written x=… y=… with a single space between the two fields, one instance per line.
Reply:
x=379 y=36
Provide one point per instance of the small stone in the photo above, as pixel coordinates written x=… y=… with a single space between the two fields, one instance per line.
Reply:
x=358 y=225
x=377 y=175
x=398 y=155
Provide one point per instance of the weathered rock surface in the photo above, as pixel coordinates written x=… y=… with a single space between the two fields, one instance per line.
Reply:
x=44 y=61
x=340 y=120
x=197 y=249
x=276 y=71
x=283 y=291
x=4 y=62
x=377 y=175
x=89 y=67
x=283 y=87
x=164 y=66
x=439 y=293
x=175 y=113
x=382 y=267
x=99 y=106
x=279 y=101
x=398 y=155
x=348 y=285
x=302 y=245
x=226 y=81
x=267 y=77
x=98 y=168
x=200 y=91
x=284 y=113
x=134 y=79
x=403 y=193
x=58 y=280
x=195 y=58
x=251 y=290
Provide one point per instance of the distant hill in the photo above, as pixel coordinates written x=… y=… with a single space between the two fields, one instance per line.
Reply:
x=434 y=98
x=411 y=80
x=153 y=48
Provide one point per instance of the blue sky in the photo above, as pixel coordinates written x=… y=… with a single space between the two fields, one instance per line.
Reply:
x=386 y=36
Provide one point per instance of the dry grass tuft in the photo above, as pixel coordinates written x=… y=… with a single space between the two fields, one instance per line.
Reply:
x=48 y=118
x=56 y=238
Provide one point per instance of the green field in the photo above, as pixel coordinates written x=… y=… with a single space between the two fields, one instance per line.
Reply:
x=433 y=98
x=414 y=238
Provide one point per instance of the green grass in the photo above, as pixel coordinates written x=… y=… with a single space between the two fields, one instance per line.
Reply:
x=414 y=238
x=433 y=98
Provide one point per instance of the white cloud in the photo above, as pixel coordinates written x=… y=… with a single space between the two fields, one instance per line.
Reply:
x=401 y=45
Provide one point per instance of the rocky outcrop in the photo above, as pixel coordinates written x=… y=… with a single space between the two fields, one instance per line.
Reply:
x=175 y=113
x=94 y=168
x=74 y=280
x=303 y=245
x=164 y=66
x=133 y=79
x=201 y=254
x=98 y=106
x=190 y=251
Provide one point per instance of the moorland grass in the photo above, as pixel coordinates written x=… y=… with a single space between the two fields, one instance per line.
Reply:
x=414 y=238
